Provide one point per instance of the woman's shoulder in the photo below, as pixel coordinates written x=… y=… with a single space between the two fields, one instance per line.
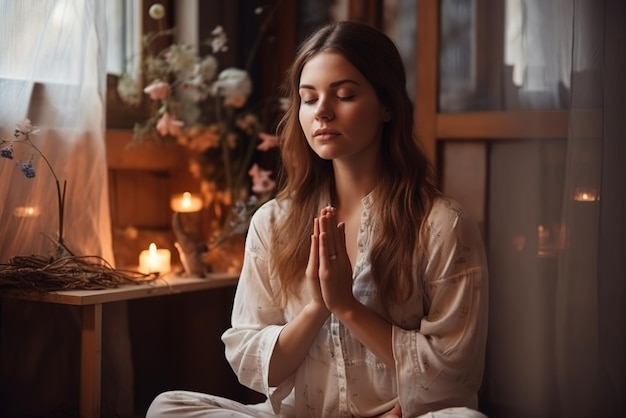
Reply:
x=270 y=211
x=446 y=209
x=448 y=217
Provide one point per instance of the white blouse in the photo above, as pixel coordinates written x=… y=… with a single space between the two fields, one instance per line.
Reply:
x=439 y=333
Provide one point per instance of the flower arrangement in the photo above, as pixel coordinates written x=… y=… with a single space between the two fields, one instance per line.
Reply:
x=205 y=110
x=23 y=131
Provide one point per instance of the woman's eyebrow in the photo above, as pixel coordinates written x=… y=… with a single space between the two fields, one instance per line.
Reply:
x=334 y=84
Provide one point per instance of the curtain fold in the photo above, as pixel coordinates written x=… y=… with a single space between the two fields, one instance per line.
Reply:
x=52 y=71
x=555 y=219
x=591 y=292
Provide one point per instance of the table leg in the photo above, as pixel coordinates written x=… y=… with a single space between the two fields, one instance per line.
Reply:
x=90 y=360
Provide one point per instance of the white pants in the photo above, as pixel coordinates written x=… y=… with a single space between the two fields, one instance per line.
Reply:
x=181 y=404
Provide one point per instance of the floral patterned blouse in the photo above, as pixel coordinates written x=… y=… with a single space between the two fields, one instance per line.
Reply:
x=439 y=334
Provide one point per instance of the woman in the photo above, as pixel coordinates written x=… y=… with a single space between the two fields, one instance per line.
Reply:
x=364 y=290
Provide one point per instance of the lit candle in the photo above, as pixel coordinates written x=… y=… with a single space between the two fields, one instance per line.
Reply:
x=186 y=202
x=154 y=260
x=26 y=212
x=586 y=195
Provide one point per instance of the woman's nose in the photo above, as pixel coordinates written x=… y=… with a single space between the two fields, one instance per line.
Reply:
x=323 y=110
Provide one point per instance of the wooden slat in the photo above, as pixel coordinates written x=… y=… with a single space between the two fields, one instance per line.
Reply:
x=147 y=156
x=426 y=79
x=503 y=125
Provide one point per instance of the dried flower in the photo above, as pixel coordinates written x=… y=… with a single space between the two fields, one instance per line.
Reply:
x=27 y=168
x=7 y=152
x=157 y=11
x=23 y=131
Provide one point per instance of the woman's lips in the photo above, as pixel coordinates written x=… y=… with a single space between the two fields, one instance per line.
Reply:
x=325 y=134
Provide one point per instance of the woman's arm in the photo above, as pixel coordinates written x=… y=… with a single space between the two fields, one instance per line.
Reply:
x=298 y=335
x=335 y=275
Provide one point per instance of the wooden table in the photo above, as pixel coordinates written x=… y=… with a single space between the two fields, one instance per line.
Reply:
x=91 y=302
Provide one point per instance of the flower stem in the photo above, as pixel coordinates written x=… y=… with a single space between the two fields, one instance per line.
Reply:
x=61 y=203
x=60 y=192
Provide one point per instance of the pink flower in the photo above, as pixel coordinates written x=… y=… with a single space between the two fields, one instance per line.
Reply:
x=168 y=125
x=267 y=141
x=158 y=90
x=261 y=181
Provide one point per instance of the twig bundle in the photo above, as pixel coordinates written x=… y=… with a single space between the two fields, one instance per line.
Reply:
x=36 y=272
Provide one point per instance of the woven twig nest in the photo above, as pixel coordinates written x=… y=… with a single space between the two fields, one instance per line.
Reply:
x=36 y=272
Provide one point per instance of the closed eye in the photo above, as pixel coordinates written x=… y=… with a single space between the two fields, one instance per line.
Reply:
x=346 y=98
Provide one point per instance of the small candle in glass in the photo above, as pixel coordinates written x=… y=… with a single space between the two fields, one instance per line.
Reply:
x=586 y=195
x=186 y=202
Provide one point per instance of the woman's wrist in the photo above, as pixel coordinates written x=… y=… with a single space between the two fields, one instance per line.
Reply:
x=347 y=311
x=317 y=310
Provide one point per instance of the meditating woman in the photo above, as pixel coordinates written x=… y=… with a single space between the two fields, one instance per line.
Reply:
x=364 y=289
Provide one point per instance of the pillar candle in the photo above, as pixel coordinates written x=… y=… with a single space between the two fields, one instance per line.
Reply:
x=155 y=260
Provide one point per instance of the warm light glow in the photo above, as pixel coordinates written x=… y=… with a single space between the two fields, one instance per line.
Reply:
x=186 y=202
x=155 y=260
x=543 y=236
x=586 y=195
x=26 y=212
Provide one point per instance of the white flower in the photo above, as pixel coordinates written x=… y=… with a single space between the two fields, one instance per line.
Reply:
x=181 y=57
x=129 y=90
x=234 y=85
x=207 y=68
x=157 y=11
x=219 y=41
x=26 y=127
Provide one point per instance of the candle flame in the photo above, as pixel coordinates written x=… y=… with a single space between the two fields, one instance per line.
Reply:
x=586 y=194
x=186 y=202
x=152 y=248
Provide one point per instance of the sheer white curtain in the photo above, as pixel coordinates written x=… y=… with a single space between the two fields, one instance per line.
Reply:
x=557 y=344
x=591 y=287
x=52 y=71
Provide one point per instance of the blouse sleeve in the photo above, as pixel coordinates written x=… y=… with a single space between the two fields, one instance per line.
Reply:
x=257 y=318
x=441 y=364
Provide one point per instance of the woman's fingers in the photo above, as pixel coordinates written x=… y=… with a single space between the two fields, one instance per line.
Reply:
x=312 y=265
x=328 y=234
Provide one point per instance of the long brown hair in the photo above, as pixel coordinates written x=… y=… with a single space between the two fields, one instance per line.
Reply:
x=406 y=189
